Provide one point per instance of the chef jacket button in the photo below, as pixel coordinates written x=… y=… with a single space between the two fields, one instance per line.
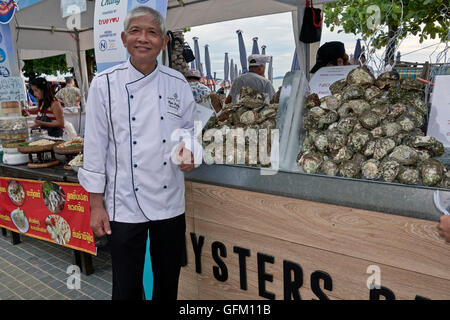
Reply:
x=134 y=119
x=164 y=141
x=165 y=163
x=134 y=142
x=160 y=97
x=135 y=166
x=162 y=118
x=165 y=187
x=137 y=189
x=131 y=96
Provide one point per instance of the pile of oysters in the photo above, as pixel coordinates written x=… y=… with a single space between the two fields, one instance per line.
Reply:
x=251 y=111
x=371 y=129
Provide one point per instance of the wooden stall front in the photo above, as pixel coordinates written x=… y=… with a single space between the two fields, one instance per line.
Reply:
x=250 y=245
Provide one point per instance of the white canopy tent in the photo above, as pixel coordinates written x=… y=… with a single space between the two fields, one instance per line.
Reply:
x=40 y=31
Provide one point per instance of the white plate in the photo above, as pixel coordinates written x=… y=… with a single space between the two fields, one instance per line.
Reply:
x=27 y=226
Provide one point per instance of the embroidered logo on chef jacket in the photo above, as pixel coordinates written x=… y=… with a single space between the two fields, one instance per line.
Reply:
x=173 y=103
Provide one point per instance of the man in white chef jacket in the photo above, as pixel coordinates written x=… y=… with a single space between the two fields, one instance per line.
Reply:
x=138 y=142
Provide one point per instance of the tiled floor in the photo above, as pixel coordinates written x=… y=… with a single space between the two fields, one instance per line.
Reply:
x=36 y=269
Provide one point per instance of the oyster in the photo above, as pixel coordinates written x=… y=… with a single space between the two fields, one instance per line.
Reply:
x=346 y=125
x=410 y=84
x=251 y=98
x=437 y=149
x=418 y=116
x=408 y=175
x=309 y=161
x=249 y=117
x=336 y=139
x=369 y=120
x=321 y=143
x=391 y=129
x=389 y=169
x=308 y=145
x=404 y=155
x=423 y=141
x=416 y=100
x=338 y=86
x=349 y=169
x=327 y=119
x=397 y=110
x=396 y=94
x=432 y=172
x=269 y=124
x=446 y=180
x=369 y=149
x=361 y=76
x=377 y=132
x=382 y=110
x=343 y=154
x=329 y=168
x=359 y=159
x=267 y=114
x=370 y=169
x=358 y=139
x=330 y=103
x=312 y=101
x=236 y=116
x=387 y=79
x=357 y=107
x=407 y=122
x=372 y=93
x=423 y=155
x=353 y=92
x=382 y=147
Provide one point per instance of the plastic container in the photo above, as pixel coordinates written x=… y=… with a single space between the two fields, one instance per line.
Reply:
x=13 y=123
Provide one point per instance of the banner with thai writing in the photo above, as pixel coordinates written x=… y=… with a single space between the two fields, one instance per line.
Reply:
x=55 y=212
x=109 y=16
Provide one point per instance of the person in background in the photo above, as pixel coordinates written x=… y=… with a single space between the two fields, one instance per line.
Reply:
x=31 y=99
x=362 y=62
x=444 y=228
x=70 y=95
x=134 y=161
x=49 y=112
x=199 y=90
x=253 y=79
x=331 y=54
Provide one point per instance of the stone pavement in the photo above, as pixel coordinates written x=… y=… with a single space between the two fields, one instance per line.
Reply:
x=37 y=270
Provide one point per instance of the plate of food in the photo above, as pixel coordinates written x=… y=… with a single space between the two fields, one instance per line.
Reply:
x=53 y=196
x=16 y=193
x=76 y=162
x=58 y=229
x=20 y=220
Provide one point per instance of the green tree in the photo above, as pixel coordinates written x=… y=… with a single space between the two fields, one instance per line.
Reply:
x=428 y=19
x=49 y=65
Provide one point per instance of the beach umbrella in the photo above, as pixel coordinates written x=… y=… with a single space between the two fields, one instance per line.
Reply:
x=242 y=52
x=215 y=80
x=270 y=71
x=232 y=76
x=226 y=69
x=295 y=65
x=255 y=49
x=357 y=52
x=263 y=49
x=198 y=65
x=209 y=78
x=235 y=71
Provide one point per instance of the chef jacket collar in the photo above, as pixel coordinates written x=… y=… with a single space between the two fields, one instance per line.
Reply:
x=136 y=75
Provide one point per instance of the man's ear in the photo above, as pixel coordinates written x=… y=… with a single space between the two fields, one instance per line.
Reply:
x=165 y=41
x=123 y=36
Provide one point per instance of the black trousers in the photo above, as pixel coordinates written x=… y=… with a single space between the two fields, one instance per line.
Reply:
x=127 y=244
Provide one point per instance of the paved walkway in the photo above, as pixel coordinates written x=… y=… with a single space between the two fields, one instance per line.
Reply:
x=37 y=270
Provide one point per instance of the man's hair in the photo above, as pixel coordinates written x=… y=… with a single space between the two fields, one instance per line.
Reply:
x=68 y=80
x=145 y=11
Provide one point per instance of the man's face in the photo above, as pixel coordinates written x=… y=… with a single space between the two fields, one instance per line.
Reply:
x=143 y=39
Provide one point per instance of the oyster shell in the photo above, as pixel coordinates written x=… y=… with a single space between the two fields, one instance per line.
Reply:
x=369 y=120
x=353 y=92
x=346 y=125
x=416 y=100
x=407 y=122
x=410 y=84
x=336 y=139
x=377 y=132
x=358 y=139
x=419 y=118
x=356 y=107
x=369 y=149
x=389 y=169
x=370 y=169
x=382 y=110
x=249 y=117
x=343 y=154
x=382 y=147
x=423 y=141
x=359 y=159
x=408 y=175
x=312 y=101
x=308 y=145
x=251 y=98
x=330 y=103
x=387 y=79
x=361 y=76
x=269 y=124
x=396 y=94
x=329 y=168
x=446 y=180
x=372 y=93
x=267 y=114
x=397 y=110
x=321 y=143
x=327 y=119
x=423 y=155
x=432 y=171
x=338 y=86
x=236 y=116
x=404 y=155
x=309 y=161
x=391 y=129
x=437 y=149
x=349 y=169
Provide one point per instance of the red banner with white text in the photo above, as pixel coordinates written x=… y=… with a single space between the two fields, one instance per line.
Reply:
x=55 y=212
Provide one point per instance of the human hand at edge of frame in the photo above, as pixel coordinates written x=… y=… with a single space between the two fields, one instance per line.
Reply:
x=444 y=228
x=186 y=158
x=100 y=222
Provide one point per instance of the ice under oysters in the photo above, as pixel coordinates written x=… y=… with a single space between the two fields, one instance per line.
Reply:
x=376 y=134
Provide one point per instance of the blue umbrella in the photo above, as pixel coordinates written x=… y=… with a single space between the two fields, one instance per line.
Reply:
x=295 y=65
x=255 y=49
x=242 y=52
x=270 y=71
x=232 y=76
x=263 y=49
x=235 y=71
x=357 y=53
x=226 y=70
x=209 y=78
x=198 y=65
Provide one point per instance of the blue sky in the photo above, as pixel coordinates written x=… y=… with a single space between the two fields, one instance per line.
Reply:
x=275 y=31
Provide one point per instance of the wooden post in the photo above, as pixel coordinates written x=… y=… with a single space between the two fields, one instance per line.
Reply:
x=4 y=232
x=15 y=238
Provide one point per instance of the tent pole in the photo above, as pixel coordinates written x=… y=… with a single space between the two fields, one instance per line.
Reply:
x=77 y=35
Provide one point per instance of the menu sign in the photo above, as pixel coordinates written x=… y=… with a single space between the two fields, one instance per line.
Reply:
x=322 y=80
x=55 y=212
